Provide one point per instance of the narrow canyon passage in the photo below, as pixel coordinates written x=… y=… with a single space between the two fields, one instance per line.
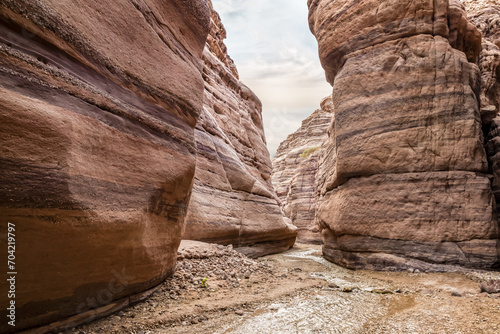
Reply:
x=219 y=291
x=144 y=189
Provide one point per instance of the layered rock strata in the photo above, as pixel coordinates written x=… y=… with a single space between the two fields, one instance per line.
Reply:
x=98 y=155
x=405 y=182
x=295 y=171
x=486 y=16
x=233 y=200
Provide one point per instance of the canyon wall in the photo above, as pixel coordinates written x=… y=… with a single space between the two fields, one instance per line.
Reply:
x=486 y=16
x=98 y=105
x=295 y=171
x=405 y=181
x=233 y=200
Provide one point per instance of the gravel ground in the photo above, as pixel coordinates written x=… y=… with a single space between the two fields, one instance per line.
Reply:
x=217 y=290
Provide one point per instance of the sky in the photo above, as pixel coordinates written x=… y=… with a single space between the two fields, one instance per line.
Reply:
x=277 y=57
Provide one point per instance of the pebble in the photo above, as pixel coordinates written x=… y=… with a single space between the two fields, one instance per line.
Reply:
x=382 y=291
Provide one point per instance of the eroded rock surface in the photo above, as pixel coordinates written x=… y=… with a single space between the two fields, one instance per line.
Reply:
x=98 y=155
x=233 y=200
x=486 y=16
x=405 y=177
x=295 y=171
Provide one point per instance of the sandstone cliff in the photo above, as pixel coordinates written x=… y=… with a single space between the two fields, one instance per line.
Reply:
x=295 y=171
x=486 y=16
x=233 y=200
x=98 y=105
x=405 y=173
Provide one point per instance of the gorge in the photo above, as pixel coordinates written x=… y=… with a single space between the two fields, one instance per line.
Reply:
x=119 y=140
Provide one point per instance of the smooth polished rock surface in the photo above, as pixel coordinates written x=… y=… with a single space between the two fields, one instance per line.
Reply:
x=97 y=152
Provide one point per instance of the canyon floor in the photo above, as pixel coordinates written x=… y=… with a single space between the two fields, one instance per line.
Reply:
x=217 y=290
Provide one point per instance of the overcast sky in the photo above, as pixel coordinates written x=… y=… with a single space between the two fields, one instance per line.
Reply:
x=276 y=56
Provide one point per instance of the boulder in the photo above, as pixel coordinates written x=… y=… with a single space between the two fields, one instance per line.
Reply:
x=492 y=286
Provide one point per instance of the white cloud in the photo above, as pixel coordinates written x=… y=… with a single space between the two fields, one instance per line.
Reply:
x=277 y=58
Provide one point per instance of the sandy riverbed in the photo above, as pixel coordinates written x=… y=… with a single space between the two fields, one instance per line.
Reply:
x=221 y=291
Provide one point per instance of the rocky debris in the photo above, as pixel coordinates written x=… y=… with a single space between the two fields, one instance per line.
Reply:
x=381 y=301
x=404 y=181
x=492 y=286
x=233 y=200
x=210 y=266
x=211 y=281
x=98 y=105
x=295 y=168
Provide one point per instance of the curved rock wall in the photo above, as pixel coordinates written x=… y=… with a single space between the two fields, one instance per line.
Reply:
x=97 y=118
x=295 y=171
x=233 y=200
x=405 y=182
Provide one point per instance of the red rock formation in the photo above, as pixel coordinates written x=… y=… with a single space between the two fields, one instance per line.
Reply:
x=233 y=200
x=98 y=108
x=405 y=176
x=295 y=171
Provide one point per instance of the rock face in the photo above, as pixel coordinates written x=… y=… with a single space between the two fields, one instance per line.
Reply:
x=98 y=155
x=405 y=174
x=295 y=171
x=233 y=200
x=486 y=16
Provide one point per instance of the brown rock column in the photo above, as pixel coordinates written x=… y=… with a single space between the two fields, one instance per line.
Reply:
x=98 y=105
x=233 y=200
x=486 y=16
x=408 y=185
